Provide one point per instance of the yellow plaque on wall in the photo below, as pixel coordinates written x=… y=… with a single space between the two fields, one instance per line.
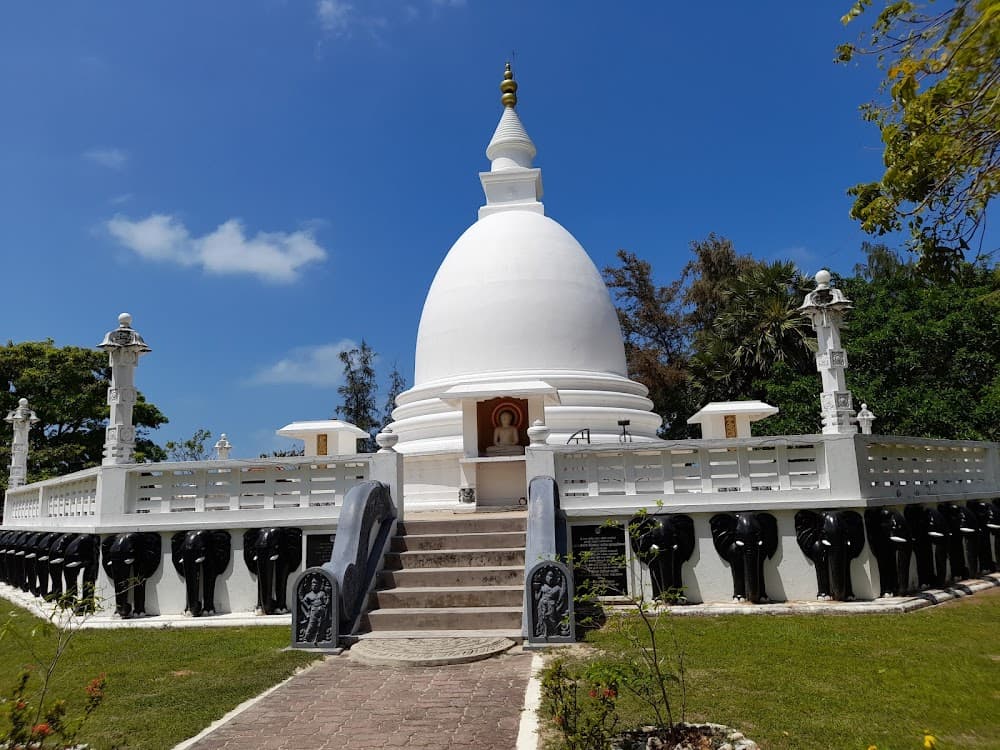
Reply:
x=321 y=446
x=730 y=425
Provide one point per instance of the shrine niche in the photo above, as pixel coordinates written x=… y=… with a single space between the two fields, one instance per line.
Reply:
x=502 y=426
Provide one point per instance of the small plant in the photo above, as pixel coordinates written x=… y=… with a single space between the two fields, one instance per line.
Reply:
x=31 y=728
x=651 y=669
x=582 y=706
x=34 y=723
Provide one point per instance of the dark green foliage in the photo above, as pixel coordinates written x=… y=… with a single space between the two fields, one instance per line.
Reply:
x=192 y=449
x=939 y=121
x=923 y=351
x=67 y=387
x=397 y=384
x=926 y=355
x=359 y=392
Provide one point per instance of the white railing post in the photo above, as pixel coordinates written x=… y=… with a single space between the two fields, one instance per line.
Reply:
x=387 y=467
x=111 y=495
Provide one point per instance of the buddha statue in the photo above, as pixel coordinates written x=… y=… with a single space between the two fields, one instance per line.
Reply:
x=506 y=438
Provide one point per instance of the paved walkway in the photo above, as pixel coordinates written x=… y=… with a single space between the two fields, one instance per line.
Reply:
x=341 y=703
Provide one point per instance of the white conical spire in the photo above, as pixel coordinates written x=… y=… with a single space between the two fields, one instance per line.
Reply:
x=511 y=183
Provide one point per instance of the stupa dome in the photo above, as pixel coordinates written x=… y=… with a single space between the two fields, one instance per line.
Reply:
x=517 y=292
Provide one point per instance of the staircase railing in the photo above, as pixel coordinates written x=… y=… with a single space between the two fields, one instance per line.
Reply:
x=548 y=582
x=367 y=522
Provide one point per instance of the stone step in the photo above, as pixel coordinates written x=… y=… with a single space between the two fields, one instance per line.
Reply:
x=478 y=540
x=444 y=618
x=502 y=575
x=426 y=597
x=458 y=558
x=469 y=523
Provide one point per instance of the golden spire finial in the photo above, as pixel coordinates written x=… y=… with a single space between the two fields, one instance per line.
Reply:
x=508 y=88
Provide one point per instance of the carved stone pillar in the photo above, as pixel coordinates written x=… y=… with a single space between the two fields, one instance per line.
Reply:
x=22 y=418
x=124 y=347
x=826 y=307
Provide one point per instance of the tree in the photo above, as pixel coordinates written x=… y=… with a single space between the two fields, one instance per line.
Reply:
x=757 y=325
x=192 y=449
x=925 y=356
x=359 y=392
x=656 y=337
x=940 y=124
x=67 y=388
x=397 y=384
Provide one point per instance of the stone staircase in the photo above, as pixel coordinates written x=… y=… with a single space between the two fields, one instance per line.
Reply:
x=460 y=574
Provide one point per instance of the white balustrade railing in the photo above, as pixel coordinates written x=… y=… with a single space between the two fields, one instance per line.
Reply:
x=690 y=467
x=266 y=484
x=70 y=496
x=826 y=469
x=911 y=467
x=306 y=490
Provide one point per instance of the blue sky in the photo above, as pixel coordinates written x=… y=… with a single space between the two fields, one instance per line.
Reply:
x=260 y=181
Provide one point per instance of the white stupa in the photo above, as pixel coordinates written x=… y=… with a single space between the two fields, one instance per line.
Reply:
x=517 y=320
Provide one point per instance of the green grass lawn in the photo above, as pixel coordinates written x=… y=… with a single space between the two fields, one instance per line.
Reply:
x=844 y=681
x=162 y=685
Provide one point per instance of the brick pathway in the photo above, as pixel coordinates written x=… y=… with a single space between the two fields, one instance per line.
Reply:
x=343 y=704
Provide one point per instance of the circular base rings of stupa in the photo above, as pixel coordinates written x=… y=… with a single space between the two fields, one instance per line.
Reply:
x=427 y=652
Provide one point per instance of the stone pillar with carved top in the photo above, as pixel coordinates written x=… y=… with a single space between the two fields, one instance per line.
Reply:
x=124 y=347
x=21 y=418
x=826 y=306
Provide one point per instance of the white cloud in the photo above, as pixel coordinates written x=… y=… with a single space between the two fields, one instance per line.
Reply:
x=318 y=366
x=334 y=15
x=112 y=158
x=119 y=199
x=271 y=256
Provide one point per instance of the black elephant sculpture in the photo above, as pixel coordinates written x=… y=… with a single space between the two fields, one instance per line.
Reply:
x=4 y=547
x=987 y=515
x=831 y=539
x=130 y=559
x=664 y=542
x=271 y=555
x=57 y=559
x=27 y=555
x=963 y=548
x=891 y=541
x=931 y=544
x=6 y=544
x=200 y=557
x=745 y=540
x=42 y=550
x=81 y=557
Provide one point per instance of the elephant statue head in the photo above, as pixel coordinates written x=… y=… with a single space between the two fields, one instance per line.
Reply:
x=57 y=559
x=664 y=542
x=43 y=548
x=200 y=557
x=891 y=541
x=28 y=554
x=5 y=537
x=15 y=558
x=963 y=551
x=987 y=515
x=130 y=559
x=831 y=539
x=745 y=540
x=81 y=556
x=931 y=544
x=272 y=554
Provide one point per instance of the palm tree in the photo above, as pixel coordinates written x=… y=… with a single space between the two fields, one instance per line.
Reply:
x=758 y=326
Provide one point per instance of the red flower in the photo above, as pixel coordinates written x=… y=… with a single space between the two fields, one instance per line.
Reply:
x=610 y=693
x=593 y=693
x=42 y=730
x=95 y=689
x=21 y=705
